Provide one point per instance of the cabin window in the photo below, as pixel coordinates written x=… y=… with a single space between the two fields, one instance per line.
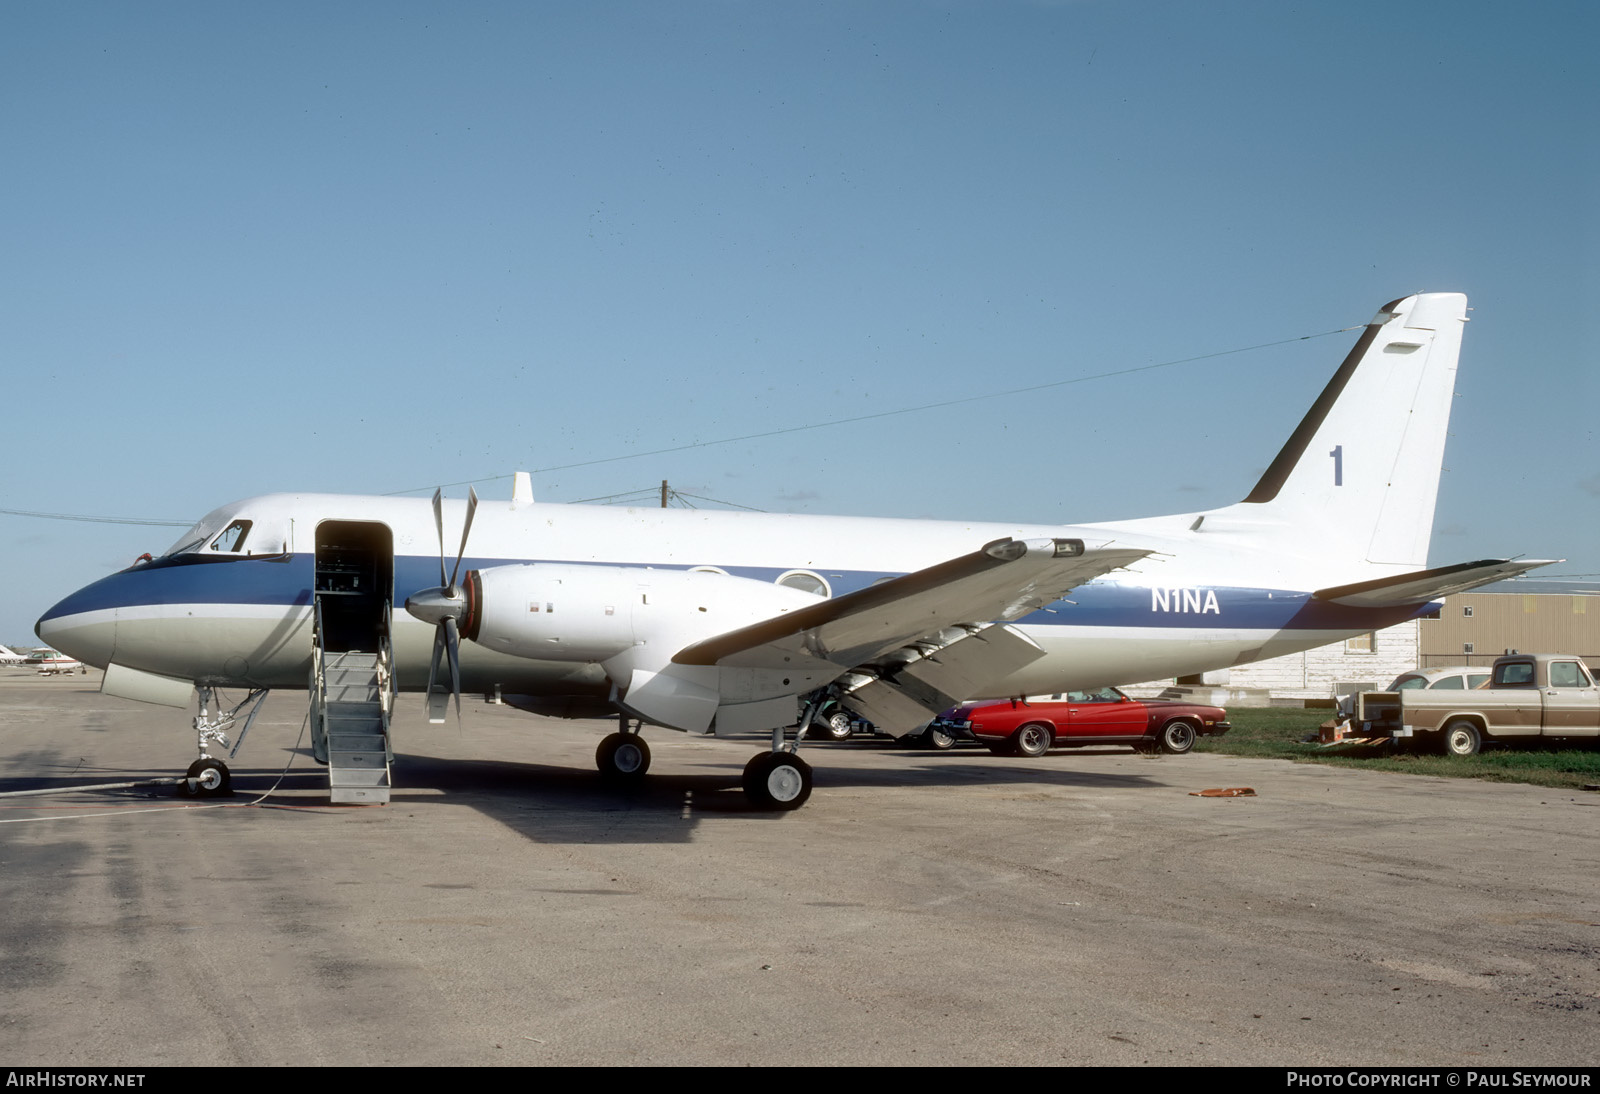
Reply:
x=806 y=582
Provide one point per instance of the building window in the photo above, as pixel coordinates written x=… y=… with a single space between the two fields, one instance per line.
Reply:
x=1361 y=643
x=1466 y=647
x=1467 y=611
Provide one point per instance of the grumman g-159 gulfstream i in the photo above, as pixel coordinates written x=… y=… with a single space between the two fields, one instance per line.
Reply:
x=733 y=623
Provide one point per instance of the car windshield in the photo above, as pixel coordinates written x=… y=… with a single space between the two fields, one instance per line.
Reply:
x=1405 y=683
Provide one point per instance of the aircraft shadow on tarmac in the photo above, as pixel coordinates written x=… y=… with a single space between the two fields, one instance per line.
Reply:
x=549 y=803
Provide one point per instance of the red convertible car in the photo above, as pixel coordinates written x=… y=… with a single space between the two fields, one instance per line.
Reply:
x=1104 y=716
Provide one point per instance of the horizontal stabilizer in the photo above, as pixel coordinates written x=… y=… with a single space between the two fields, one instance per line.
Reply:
x=1421 y=586
x=1001 y=581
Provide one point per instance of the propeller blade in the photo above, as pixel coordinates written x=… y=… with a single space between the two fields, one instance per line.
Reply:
x=452 y=640
x=438 y=522
x=435 y=706
x=472 y=507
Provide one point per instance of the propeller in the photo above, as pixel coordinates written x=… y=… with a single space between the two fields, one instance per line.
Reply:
x=444 y=606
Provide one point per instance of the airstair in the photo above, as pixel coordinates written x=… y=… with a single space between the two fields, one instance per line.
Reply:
x=352 y=695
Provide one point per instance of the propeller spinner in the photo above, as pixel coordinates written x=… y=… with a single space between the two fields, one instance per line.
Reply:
x=443 y=607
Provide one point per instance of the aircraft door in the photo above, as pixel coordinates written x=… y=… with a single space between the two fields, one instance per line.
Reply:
x=354 y=582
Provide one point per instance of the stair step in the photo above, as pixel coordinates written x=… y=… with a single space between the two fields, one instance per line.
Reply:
x=359 y=776
x=358 y=795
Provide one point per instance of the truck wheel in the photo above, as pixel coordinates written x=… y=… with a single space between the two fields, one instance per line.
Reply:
x=1462 y=738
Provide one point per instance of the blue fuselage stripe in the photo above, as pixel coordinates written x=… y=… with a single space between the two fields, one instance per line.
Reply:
x=287 y=580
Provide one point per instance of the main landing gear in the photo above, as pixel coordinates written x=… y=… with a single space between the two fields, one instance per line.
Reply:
x=778 y=779
x=623 y=756
x=208 y=777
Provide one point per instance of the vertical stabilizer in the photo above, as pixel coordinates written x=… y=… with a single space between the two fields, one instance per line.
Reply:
x=1361 y=471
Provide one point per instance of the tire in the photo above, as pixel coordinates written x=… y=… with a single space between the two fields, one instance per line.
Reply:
x=623 y=757
x=777 y=780
x=1033 y=739
x=837 y=727
x=939 y=739
x=1177 y=737
x=207 y=778
x=1462 y=738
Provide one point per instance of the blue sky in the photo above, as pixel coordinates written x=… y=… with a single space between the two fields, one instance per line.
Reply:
x=366 y=247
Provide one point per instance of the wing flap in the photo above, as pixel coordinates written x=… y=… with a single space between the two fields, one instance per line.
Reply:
x=1421 y=586
x=1002 y=581
x=908 y=696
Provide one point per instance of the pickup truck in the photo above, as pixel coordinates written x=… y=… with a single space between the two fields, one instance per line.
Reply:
x=1527 y=697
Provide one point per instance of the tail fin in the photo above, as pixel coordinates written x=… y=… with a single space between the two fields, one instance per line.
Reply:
x=1361 y=472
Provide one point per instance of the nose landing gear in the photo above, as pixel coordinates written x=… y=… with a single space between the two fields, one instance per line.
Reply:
x=208 y=777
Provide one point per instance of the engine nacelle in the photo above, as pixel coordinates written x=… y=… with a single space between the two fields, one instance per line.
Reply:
x=554 y=611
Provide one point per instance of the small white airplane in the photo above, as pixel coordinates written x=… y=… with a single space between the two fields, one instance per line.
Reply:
x=51 y=663
x=739 y=623
x=9 y=656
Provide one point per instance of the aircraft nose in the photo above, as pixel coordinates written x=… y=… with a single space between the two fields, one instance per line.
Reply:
x=83 y=625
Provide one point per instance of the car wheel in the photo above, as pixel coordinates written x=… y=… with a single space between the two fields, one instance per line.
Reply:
x=939 y=739
x=1177 y=737
x=1462 y=738
x=836 y=726
x=1032 y=739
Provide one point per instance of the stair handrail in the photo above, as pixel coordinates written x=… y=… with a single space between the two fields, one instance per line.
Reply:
x=318 y=683
x=386 y=681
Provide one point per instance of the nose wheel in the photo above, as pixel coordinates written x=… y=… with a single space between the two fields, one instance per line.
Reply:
x=207 y=778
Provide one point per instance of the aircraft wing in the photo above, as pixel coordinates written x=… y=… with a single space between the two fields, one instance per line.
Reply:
x=1003 y=580
x=1421 y=586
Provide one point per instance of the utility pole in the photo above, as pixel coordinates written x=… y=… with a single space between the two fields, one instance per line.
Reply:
x=664 y=493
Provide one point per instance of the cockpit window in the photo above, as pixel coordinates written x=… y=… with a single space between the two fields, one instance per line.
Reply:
x=232 y=538
x=190 y=542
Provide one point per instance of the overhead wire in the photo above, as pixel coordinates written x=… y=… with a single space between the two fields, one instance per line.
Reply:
x=878 y=415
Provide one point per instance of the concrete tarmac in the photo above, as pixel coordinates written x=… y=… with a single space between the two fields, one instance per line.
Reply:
x=924 y=908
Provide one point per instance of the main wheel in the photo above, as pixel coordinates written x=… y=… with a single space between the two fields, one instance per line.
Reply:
x=1032 y=739
x=939 y=739
x=1462 y=738
x=622 y=756
x=1177 y=737
x=207 y=778
x=777 y=780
